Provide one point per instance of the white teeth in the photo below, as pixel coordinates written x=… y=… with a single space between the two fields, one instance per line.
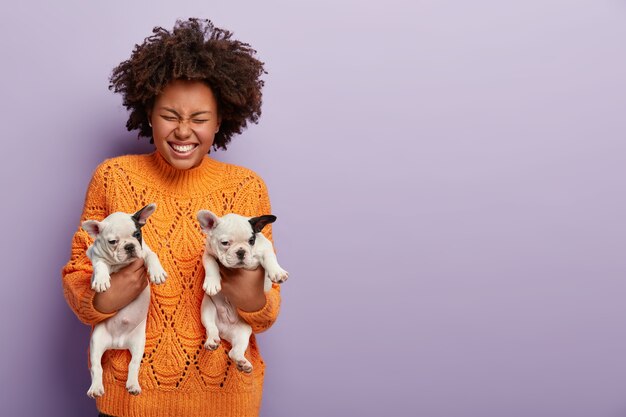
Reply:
x=185 y=148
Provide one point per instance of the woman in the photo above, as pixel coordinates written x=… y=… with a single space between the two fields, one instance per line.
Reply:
x=189 y=90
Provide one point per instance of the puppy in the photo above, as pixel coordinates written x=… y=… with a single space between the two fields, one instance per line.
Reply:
x=237 y=242
x=117 y=243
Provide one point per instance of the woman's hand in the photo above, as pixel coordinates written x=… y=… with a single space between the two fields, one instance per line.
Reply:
x=244 y=288
x=126 y=285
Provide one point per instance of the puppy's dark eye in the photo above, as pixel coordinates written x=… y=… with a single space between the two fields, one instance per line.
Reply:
x=251 y=241
x=224 y=243
x=112 y=242
x=137 y=235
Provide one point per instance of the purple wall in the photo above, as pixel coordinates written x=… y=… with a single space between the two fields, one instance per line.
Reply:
x=448 y=176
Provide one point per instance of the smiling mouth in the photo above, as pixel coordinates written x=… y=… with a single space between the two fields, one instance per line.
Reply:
x=183 y=149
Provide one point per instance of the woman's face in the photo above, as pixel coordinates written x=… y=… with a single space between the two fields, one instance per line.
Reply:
x=184 y=122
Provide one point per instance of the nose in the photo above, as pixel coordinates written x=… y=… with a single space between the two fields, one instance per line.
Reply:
x=183 y=130
x=241 y=253
x=129 y=247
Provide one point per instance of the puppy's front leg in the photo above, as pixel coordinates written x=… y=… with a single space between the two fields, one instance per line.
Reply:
x=155 y=269
x=212 y=280
x=273 y=271
x=101 y=278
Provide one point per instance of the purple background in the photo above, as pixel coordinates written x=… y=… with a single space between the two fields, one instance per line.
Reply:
x=448 y=177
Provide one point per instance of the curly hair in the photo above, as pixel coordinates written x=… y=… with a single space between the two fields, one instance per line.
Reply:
x=194 y=50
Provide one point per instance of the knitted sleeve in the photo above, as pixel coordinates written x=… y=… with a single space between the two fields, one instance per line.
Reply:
x=264 y=318
x=77 y=272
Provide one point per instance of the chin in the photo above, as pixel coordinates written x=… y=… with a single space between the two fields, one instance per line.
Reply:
x=184 y=163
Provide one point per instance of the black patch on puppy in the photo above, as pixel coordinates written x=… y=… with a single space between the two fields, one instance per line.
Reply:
x=137 y=235
x=258 y=223
x=139 y=223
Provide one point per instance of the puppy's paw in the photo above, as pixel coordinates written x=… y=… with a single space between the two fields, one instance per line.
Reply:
x=212 y=285
x=100 y=282
x=157 y=274
x=133 y=388
x=95 y=390
x=244 y=365
x=277 y=275
x=212 y=343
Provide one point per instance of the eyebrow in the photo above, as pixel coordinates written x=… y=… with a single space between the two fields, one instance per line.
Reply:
x=192 y=114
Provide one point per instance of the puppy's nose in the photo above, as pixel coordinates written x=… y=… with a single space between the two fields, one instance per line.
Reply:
x=241 y=253
x=129 y=247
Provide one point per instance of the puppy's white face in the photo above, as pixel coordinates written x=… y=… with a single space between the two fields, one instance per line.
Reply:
x=117 y=238
x=232 y=241
x=231 y=238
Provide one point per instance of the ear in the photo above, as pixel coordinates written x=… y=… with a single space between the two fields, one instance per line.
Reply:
x=208 y=220
x=258 y=223
x=92 y=227
x=142 y=215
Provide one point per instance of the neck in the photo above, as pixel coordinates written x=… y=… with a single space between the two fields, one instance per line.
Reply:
x=183 y=181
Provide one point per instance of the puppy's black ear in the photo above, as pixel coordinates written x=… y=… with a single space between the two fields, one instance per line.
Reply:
x=207 y=220
x=142 y=215
x=92 y=227
x=258 y=223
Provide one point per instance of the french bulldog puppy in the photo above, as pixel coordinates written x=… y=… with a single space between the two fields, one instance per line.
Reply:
x=236 y=242
x=117 y=243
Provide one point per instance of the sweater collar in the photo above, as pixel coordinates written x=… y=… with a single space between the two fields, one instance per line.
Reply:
x=184 y=181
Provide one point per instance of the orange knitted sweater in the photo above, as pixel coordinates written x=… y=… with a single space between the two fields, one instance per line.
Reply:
x=178 y=376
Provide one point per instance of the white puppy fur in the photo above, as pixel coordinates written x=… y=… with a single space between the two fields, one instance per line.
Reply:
x=236 y=242
x=117 y=243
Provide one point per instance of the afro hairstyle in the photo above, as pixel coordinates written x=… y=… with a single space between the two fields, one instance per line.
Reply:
x=194 y=50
